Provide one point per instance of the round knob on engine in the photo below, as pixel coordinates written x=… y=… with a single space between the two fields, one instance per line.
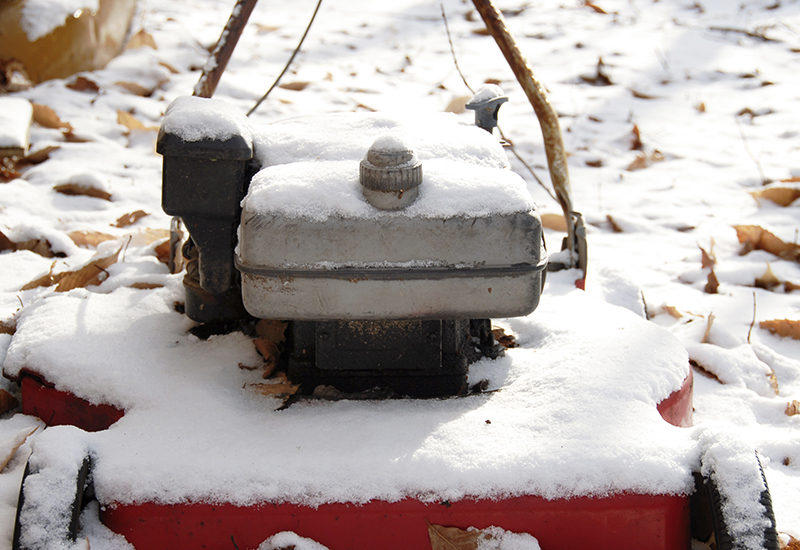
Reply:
x=390 y=174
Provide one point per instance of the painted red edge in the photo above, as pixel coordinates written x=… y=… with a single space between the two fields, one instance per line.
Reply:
x=620 y=522
x=57 y=408
x=617 y=522
x=677 y=408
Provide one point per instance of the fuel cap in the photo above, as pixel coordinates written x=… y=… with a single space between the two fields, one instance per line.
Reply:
x=390 y=174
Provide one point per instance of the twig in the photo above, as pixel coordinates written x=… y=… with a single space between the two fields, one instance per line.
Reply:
x=753 y=322
x=289 y=62
x=764 y=179
x=750 y=34
x=548 y=120
x=221 y=53
x=453 y=50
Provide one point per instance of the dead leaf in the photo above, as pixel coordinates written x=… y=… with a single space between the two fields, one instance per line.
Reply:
x=272 y=330
x=708 y=259
x=134 y=88
x=280 y=386
x=712 y=283
x=556 y=222
x=295 y=86
x=7 y=402
x=130 y=218
x=81 y=189
x=595 y=7
x=40 y=155
x=17 y=444
x=704 y=371
x=13 y=76
x=782 y=327
x=146 y=286
x=47 y=117
x=793 y=407
x=782 y=196
x=41 y=247
x=644 y=160
x=641 y=95
x=614 y=225
x=482 y=31
x=6 y=243
x=89 y=239
x=600 y=78
x=163 y=252
x=793 y=544
x=755 y=237
x=457 y=105
x=169 y=67
x=672 y=311
x=773 y=382
x=83 y=84
x=700 y=107
x=8 y=170
x=505 y=340
x=48 y=279
x=636 y=141
x=8 y=327
x=794 y=179
x=263 y=29
x=91 y=274
x=131 y=122
x=452 y=538
x=789 y=286
x=707 y=334
x=595 y=163
x=768 y=280
x=140 y=39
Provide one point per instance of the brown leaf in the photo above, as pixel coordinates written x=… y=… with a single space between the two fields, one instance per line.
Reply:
x=48 y=279
x=505 y=340
x=636 y=141
x=8 y=327
x=280 y=386
x=793 y=179
x=782 y=196
x=146 y=286
x=672 y=311
x=162 y=252
x=556 y=222
x=457 y=105
x=83 y=84
x=614 y=225
x=793 y=544
x=295 y=86
x=755 y=237
x=263 y=29
x=91 y=274
x=7 y=402
x=707 y=334
x=169 y=67
x=8 y=170
x=712 y=283
x=89 y=239
x=6 y=243
x=41 y=247
x=272 y=330
x=130 y=218
x=600 y=78
x=452 y=538
x=708 y=259
x=134 y=88
x=773 y=382
x=40 y=155
x=793 y=408
x=595 y=7
x=789 y=286
x=17 y=444
x=47 y=117
x=768 y=280
x=641 y=95
x=704 y=371
x=140 y=39
x=481 y=31
x=782 y=327
x=644 y=160
x=131 y=122
x=700 y=107
x=82 y=190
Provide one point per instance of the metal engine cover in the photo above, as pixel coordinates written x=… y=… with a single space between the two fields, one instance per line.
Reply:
x=312 y=248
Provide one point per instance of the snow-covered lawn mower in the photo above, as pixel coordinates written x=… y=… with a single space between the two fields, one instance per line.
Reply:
x=381 y=246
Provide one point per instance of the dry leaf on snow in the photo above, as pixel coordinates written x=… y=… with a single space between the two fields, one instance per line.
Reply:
x=793 y=407
x=8 y=327
x=83 y=84
x=644 y=160
x=81 y=189
x=47 y=117
x=146 y=286
x=768 y=280
x=130 y=122
x=41 y=247
x=89 y=239
x=7 y=402
x=755 y=237
x=782 y=327
x=712 y=283
x=295 y=86
x=91 y=274
x=134 y=88
x=141 y=38
x=48 y=279
x=672 y=311
x=130 y=218
x=17 y=442
x=163 y=252
x=708 y=259
x=782 y=196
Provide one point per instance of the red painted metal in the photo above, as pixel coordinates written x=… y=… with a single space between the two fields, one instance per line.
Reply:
x=677 y=408
x=57 y=408
x=619 y=522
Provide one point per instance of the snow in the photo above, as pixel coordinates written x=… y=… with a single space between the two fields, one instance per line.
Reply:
x=15 y=119
x=41 y=17
x=720 y=106
x=198 y=118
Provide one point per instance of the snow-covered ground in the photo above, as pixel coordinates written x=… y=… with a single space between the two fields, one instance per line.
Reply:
x=683 y=131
